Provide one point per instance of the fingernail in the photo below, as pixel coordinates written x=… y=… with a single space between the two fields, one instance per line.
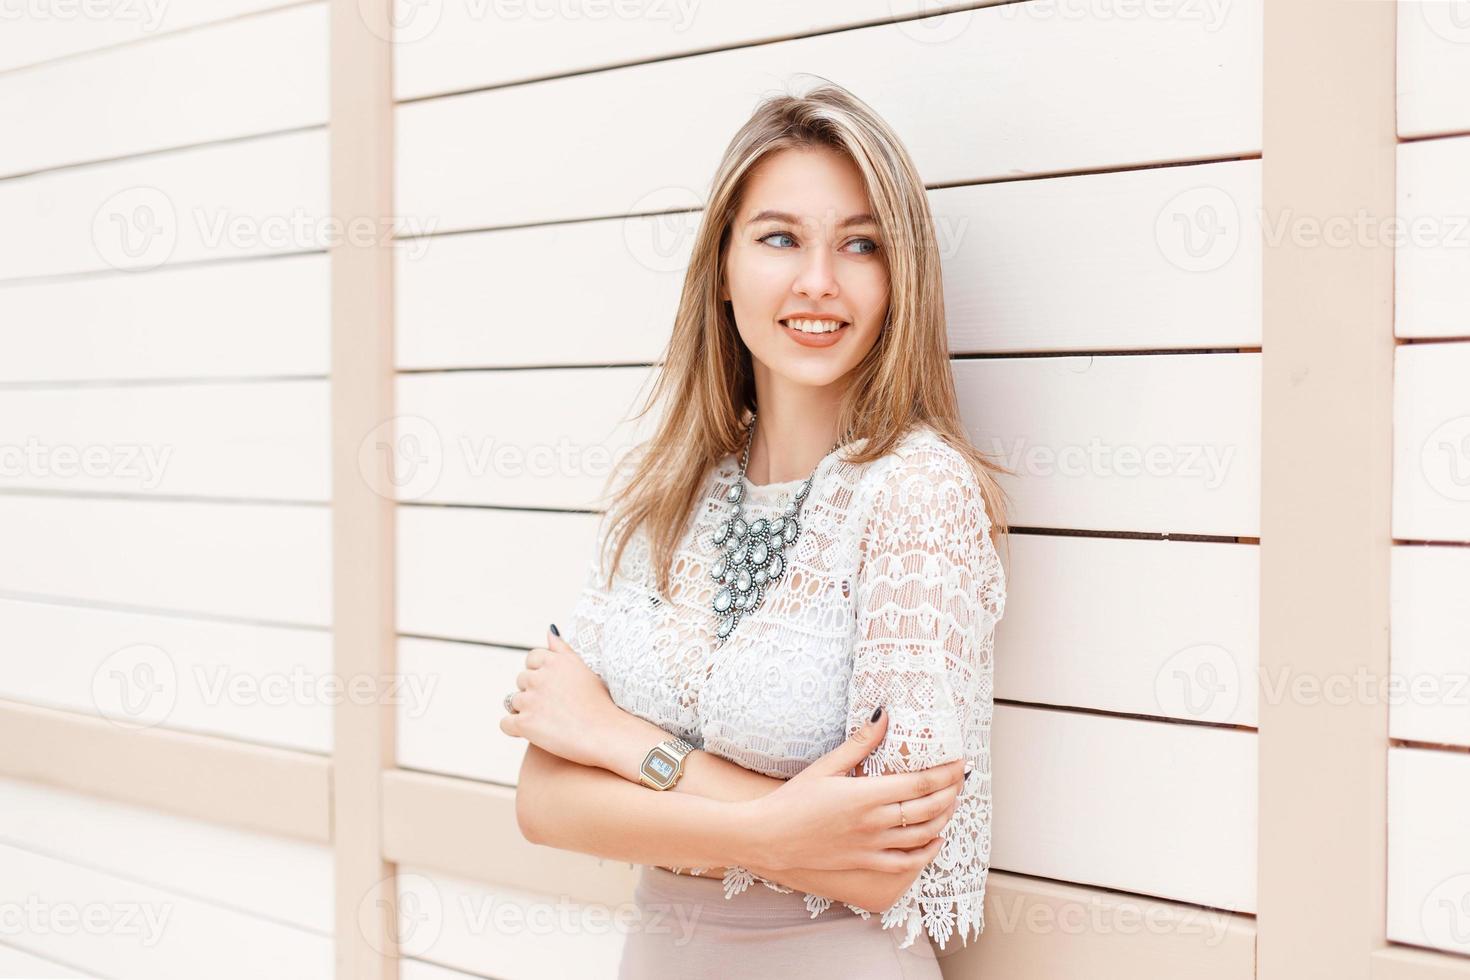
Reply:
x=877 y=713
x=554 y=630
x=969 y=766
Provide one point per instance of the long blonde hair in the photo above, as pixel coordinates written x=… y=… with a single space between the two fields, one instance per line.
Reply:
x=706 y=381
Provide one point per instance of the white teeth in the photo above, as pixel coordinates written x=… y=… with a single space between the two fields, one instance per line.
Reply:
x=814 y=326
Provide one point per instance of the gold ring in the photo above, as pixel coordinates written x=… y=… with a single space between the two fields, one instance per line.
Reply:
x=902 y=820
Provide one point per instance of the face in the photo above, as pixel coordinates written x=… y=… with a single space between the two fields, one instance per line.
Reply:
x=803 y=242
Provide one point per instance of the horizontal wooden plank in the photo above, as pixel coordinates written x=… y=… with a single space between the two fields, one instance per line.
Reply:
x=18 y=963
x=150 y=931
x=412 y=969
x=455 y=728
x=1430 y=647
x=1403 y=963
x=267 y=876
x=469 y=828
x=1428 y=849
x=1023 y=270
x=268 y=685
x=261 y=196
x=216 y=320
x=1431 y=289
x=267 y=562
x=1433 y=69
x=64 y=30
x=273 y=791
x=479 y=300
x=260 y=440
x=458 y=46
x=1161 y=443
x=511 y=933
x=1022 y=273
x=243 y=77
x=1068 y=93
x=1052 y=929
x=1163 y=628
x=1155 y=808
x=476 y=437
x=1431 y=429
x=463 y=574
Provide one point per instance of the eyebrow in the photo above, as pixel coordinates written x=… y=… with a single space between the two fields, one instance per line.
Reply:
x=848 y=222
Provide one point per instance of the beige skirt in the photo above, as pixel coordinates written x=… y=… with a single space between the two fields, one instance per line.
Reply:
x=688 y=930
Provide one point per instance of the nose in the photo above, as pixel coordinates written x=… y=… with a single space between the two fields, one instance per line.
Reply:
x=817 y=277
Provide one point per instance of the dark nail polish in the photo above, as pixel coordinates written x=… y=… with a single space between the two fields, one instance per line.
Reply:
x=877 y=713
x=554 y=630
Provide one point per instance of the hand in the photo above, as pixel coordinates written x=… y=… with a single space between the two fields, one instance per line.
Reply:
x=825 y=819
x=561 y=704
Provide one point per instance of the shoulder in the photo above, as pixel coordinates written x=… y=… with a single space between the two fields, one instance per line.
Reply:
x=924 y=466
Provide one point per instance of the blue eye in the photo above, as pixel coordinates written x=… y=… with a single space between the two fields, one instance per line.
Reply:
x=872 y=245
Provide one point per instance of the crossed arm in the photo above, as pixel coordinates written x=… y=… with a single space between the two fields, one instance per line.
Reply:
x=709 y=819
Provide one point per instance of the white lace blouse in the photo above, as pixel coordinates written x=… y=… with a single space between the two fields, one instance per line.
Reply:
x=890 y=596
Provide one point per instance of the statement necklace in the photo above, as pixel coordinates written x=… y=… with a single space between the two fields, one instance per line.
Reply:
x=753 y=556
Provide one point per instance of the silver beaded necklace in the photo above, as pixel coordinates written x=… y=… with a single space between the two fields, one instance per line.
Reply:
x=753 y=556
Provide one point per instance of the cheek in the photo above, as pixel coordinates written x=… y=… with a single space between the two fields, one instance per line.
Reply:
x=873 y=291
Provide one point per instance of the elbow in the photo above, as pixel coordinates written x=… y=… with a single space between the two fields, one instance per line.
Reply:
x=892 y=889
x=524 y=815
x=525 y=796
x=881 y=891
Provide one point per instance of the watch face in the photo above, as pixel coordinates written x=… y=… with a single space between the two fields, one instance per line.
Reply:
x=659 y=767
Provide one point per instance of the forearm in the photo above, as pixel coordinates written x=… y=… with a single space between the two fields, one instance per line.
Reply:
x=707 y=775
x=590 y=810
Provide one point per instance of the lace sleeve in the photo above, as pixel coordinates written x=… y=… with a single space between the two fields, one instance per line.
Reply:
x=585 y=629
x=928 y=597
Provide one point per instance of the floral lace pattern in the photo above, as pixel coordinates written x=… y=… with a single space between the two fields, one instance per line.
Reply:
x=890 y=597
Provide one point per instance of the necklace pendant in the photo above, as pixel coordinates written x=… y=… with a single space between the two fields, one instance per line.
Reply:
x=753 y=553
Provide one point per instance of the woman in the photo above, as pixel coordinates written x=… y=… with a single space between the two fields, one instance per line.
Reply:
x=804 y=583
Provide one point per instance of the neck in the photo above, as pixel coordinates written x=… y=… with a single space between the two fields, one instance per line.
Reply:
x=795 y=427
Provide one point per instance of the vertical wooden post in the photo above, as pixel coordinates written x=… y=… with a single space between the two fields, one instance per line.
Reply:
x=1328 y=158
x=363 y=624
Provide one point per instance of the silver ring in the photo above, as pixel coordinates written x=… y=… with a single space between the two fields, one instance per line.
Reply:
x=902 y=820
x=506 y=702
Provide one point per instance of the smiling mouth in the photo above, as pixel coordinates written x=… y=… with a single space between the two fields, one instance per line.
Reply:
x=817 y=327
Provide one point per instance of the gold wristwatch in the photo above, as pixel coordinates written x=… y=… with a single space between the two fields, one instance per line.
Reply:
x=664 y=763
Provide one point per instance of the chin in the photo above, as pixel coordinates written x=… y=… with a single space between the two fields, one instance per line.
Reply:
x=811 y=375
